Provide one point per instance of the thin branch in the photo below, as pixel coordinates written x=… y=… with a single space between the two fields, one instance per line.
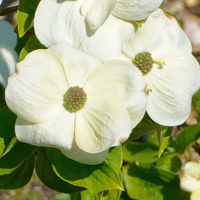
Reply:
x=7 y=11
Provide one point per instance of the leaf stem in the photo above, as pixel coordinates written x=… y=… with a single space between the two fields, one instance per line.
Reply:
x=6 y=11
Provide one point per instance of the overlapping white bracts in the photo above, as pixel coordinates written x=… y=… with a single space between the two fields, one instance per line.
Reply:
x=88 y=25
x=116 y=102
x=190 y=181
x=8 y=57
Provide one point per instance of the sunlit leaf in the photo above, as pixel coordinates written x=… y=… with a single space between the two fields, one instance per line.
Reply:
x=140 y=152
x=46 y=174
x=33 y=44
x=20 y=176
x=96 y=178
x=186 y=138
x=151 y=183
x=170 y=162
x=15 y=156
x=164 y=133
x=25 y=15
x=7 y=133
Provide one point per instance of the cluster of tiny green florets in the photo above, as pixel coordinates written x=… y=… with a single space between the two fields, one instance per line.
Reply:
x=74 y=99
x=144 y=62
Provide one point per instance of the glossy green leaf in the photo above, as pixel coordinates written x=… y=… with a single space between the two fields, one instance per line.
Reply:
x=153 y=138
x=196 y=102
x=151 y=183
x=2 y=97
x=96 y=178
x=62 y=197
x=46 y=174
x=113 y=195
x=164 y=133
x=25 y=15
x=32 y=44
x=20 y=176
x=186 y=138
x=170 y=162
x=7 y=133
x=115 y=158
x=144 y=126
x=140 y=152
x=13 y=158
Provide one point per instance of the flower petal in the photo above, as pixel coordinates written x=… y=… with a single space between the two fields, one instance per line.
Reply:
x=195 y=194
x=77 y=65
x=135 y=10
x=35 y=92
x=101 y=124
x=8 y=59
x=138 y=38
x=56 y=132
x=97 y=12
x=7 y=34
x=168 y=34
x=75 y=153
x=119 y=80
x=173 y=86
x=190 y=179
x=63 y=22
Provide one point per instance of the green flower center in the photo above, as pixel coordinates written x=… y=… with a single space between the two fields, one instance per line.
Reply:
x=74 y=99
x=144 y=62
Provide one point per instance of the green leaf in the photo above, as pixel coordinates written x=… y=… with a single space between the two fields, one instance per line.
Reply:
x=196 y=102
x=113 y=195
x=96 y=178
x=20 y=176
x=32 y=45
x=186 y=138
x=144 y=126
x=115 y=158
x=7 y=133
x=139 y=23
x=140 y=152
x=13 y=158
x=153 y=138
x=62 y=197
x=21 y=43
x=25 y=15
x=164 y=133
x=170 y=162
x=2 y=96
x=46 y=174
x=151 y=183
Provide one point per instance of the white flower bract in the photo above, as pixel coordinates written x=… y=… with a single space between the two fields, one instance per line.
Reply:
x=190 y=181
x=174 y=78
x=116 y=102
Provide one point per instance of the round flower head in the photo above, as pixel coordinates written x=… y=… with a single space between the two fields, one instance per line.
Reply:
x=8 y=56
x=67 y=99
x=165 y=61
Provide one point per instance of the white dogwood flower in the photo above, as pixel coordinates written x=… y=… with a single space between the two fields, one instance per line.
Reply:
x=171 y=72
x=97 y=11
x=62 y=21
x=67 y=99
x=190 y=181
x=88 y=25
x=8 y=56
